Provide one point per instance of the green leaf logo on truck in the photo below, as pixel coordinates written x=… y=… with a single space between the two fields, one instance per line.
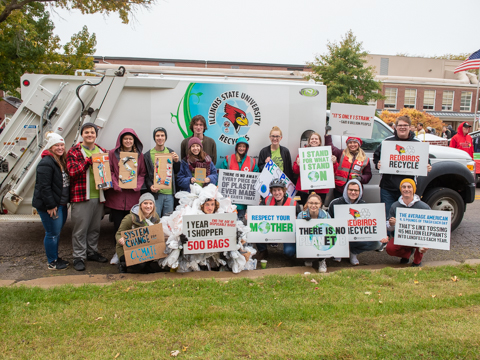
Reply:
x=309 y=92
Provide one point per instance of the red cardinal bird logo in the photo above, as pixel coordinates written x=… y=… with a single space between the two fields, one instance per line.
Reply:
x=354 y=213
x=237 y=117
x=400 y=149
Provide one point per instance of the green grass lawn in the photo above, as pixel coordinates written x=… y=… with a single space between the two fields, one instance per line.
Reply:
x=349 y=314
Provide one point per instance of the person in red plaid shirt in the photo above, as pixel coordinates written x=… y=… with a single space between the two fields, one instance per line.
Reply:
x=86 y=200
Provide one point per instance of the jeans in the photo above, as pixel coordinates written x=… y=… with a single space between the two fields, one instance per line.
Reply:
x=388 y=198
x=358 y=247
x=164 y=204
x=53 y=227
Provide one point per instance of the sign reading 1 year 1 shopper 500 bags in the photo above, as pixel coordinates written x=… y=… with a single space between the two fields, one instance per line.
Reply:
x=239 y=186
x=271 y=224
x=404 y=158
x=210 y=233
x=316 y=168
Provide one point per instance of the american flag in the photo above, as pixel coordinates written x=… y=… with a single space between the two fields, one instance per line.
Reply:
x=472 y=63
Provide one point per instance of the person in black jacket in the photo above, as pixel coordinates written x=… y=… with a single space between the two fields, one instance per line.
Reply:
x=279 y=154
x=164 y=201
x=51 y=196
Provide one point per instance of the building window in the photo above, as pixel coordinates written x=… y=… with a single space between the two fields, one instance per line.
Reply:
x=447 y=101
x=410 y=98
x=391 y=98
x=466 y=101
x=166 y=64
x=235 y=67
x=384 y=66
x=429 y=100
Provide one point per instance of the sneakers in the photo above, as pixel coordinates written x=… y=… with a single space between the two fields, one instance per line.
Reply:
x=417 y=265
x=337 y=259
x=114 y=260
x=97 y=257
x=353 y=259
x=57 y=265
x=404 y=260
x=382 y=247
x=308 y=263
x=78 y=264
x=322 y=266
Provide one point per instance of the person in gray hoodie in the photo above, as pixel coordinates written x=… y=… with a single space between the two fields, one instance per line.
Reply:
x=352 y=194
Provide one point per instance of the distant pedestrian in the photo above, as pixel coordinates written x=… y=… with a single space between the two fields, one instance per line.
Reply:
x=462 y=140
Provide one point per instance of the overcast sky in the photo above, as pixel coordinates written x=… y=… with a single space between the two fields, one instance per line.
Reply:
x=281 y=31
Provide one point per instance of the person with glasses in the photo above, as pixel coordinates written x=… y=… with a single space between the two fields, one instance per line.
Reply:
x=390 y=183
x=279 y=154
x=313 y=210
x=352 y=194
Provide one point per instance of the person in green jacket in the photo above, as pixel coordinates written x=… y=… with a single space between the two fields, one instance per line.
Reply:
x=240 y=161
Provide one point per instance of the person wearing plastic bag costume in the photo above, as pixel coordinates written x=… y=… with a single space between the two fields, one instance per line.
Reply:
x=201 y=201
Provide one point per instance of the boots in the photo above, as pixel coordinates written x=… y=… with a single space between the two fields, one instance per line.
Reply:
x=122 y=265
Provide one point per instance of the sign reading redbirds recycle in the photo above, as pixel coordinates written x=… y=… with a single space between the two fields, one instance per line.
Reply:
x=404 y=158
x=365 y=222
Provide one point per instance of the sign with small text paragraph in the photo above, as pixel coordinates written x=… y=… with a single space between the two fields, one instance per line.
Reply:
x=352 y=120
x=239 y=186
x=404 y=158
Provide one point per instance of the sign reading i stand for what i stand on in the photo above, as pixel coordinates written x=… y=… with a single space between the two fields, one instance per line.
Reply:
x=322 y=238
x=272 y=171
x=316 y=168
x=404 y=158
x=210 y=233
x=271 y=224
x=423 y=228
x=352 y=120
x=239 y=186
x=365 y=222
x=144 y=244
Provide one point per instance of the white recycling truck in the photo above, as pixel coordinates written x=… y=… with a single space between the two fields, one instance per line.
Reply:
x=121 y=99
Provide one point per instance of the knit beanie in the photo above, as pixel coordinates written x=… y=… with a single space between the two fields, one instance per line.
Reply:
x=88 y=125
x=159 y=129
x=146 y=196
x=52 y=139
x=411 y=182
x=194 y=140
x=351 y=138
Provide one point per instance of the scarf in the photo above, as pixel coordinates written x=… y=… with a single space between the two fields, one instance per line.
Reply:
x=192 y=165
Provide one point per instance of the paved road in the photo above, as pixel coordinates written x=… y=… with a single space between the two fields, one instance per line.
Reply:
x=23 y=257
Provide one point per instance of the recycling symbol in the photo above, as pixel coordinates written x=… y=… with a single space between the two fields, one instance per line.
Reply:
x=365 y=213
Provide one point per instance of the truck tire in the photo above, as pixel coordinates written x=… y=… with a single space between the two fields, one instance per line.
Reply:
x=446 y=199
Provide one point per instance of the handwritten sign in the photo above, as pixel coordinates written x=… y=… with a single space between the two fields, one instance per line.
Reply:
x=144 y=244
x=101 y=171
x=316 y=168
x=272 y=171
x=423 y=228
x=239 y=186
x=322 y=238
x=352 y=120
x=210 y=233
x=404 y=158
x=163 y=171
x=200 y=175
x=128 y=170
x=365 y=222
x=271 y=224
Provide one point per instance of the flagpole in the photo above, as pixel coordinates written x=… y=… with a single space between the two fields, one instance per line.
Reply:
x=476 y=119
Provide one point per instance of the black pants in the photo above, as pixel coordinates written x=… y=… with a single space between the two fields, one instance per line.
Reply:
x=117 y=216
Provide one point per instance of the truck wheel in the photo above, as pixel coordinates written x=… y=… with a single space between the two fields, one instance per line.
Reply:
x=446 y=199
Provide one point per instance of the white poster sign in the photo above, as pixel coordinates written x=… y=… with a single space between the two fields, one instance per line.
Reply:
x=210 y=233
x=404 y=158
x=239 y=186
x=316 y=168
x=322 y=238
x=352 y=120
x=272 y=171
x=365 y=222
x=423 y=228
x=271 y=224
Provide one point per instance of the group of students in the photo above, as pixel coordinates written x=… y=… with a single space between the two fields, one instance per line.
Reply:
x=67 y=177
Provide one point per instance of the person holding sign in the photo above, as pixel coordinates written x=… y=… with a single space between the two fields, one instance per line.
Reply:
x=240 y=161
x=164 y=197
x=313 y=210
x=390 y=183
x=51 y=196
x=352 y=194
x=141 y=215
x=198 y=125
x=314 y=140
x=196 y=158
x=86 y=200
x=353 y=164
x=120 y=201
x=278 y=198
x=279 y=154
x=408 y=200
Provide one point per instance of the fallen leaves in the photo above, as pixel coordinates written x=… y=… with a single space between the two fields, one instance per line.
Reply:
x=116 y=356
x=314 y=281
x=280 y=323
x=455 y=279
x=99 y=318
x=174 y=353
x=434 y=296
x=184 y=348
x=416 y=282
x=368 y=293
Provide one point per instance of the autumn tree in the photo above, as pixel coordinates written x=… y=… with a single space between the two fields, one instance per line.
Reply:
x=416 y=116
x=342 y=69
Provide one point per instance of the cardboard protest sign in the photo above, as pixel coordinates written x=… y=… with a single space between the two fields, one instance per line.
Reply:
x=101 y=171
x=352 y=120
x=404 y=158
x=365 y=222
x=144 y=244
x=128 y=170
x=322 y=238
x=163 y=171
x=210 y=233
x=200 y=175
x=423 y=228
x=271 y=224
x=239 y=186
x=316 y=168
x=272 y=171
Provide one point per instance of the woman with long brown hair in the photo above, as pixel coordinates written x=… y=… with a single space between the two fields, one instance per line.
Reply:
x=51 y=196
